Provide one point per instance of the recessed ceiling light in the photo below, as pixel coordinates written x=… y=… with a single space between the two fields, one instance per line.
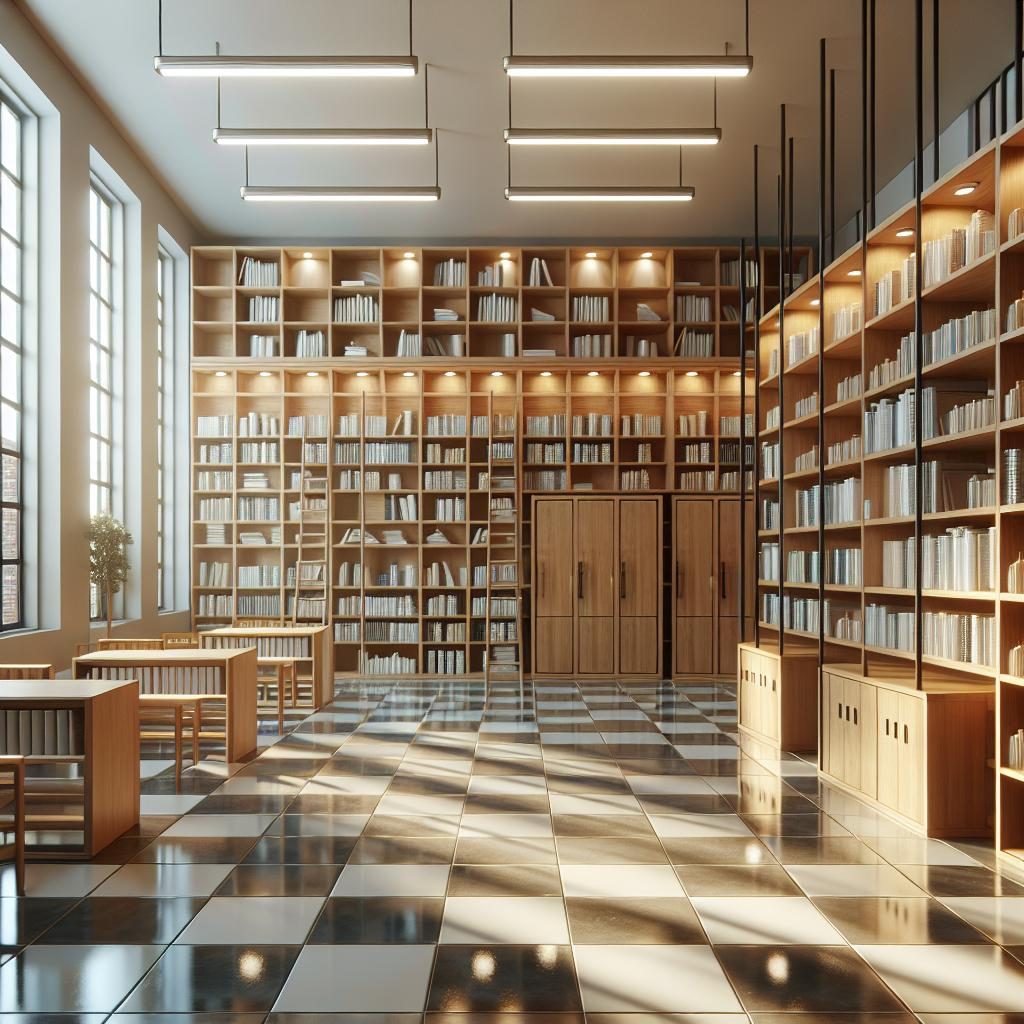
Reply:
x=965 y=189
x=646 y=255
x=264 y=373
x=591 y=255
x=592 y=373
x=449 y=373
x=545 y=373
x=905 y=233
x=853 y=273
x=362 y=373
x=307 y=255
x=737 y=373
x=505 y=255
x=691 y=373
x=497 y=373
x=312 y=373
x=409 y=255
x=644 y=373
x=221 y=373
x=408 y=373
x=815 y=302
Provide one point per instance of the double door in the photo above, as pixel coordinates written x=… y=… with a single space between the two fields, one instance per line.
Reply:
x=705 y=592
x=597 y=586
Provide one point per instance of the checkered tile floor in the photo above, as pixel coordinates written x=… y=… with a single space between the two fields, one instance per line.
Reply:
x=429 y=852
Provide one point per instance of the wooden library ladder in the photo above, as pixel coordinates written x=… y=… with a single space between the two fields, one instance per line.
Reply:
x=311 y=560
x=503 y=656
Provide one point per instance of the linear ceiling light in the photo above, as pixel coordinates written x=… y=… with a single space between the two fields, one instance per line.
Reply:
x=677 y=194
x=629 y=67
x=332 y=194
x=220 y=66
x=613 y=136
x=322 y=136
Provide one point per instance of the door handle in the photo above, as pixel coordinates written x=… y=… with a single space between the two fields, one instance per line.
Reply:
x=579 y=580
x=622 y=581
x=679 y=576
x=721 y=576
x=541 y=580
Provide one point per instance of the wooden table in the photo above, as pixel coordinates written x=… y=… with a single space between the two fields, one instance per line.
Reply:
x=105 y=717
x=230 y=675
x=310 y=646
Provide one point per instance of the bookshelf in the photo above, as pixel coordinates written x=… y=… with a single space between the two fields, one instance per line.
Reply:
x=972 y=532
x=275 y=304
x=405 y=445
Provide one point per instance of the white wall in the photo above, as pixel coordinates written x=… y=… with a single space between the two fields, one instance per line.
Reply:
x=73 y=123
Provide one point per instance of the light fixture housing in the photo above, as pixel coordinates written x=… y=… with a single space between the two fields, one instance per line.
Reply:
x=497 y=373
x=408 y=255
x=222 y=66
x=265 y=373
x=644 y=373
x=815 y=303
x=646 y=255
x=593 y=373
x=408 y=373
x=312 y=373
x=307 y=255
x=905 y=233
x=545 y=373
x=613 y=136
x=221 y=373
x=591 y=255
x=504 y=255
x=323 y=136
x=340 y=194
x=609 y=194
x=730 y=66
x=965 y=188
x=856 y=272
x=449 y=373
x=737 y=373
x=362 y=373
x=691 y=373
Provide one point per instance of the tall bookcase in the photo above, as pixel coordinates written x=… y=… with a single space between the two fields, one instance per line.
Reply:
x=971 y=603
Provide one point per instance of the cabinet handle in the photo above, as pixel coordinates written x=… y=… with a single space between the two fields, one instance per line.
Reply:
x=847 y=712
x=721 y=576
x=622 y=581
x=896 y=730
x=887 y=727
x=541 y=581
x=679 y=577
x=840 y=711
x=579 y=580
x=854 y=716
x=906 y=734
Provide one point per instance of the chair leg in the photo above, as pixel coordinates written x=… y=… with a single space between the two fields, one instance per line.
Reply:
x=197 y=730
x=19 y=836
x=177 y=745
x=280 y=700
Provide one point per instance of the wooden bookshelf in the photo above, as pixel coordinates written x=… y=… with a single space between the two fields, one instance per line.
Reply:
x=538 y=400
x=398 y=293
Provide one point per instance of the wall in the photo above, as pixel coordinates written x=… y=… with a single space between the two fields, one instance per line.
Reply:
x=72 y=124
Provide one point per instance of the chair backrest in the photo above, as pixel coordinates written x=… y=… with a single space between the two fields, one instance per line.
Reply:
x=27 y=672
x=179 y=641
x=257 y=623
x=82 y=649
x=112 y=644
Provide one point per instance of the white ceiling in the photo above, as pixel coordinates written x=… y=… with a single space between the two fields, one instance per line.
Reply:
x=110 y=44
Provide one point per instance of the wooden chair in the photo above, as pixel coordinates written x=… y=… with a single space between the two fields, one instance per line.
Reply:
x=258 y=623
x=14 y=809
x=27 y=672
x=81 y=649
x=179 y=641
x=181 y=712
x=281 y=673
x=116 y=644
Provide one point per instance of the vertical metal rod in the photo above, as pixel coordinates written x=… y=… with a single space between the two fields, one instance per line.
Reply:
x=758 y=285
x=863 y=116
x=1018 y=42
x=831 y=165
x=246 y=157
x=822 y=560
x=992 y=108
x=511 y=28
x=782 y=321
x=918 y=321
x=742 y=484
x=746 y=25
x=935 y=89
x=410 y=28
x=789 y=217
x=872 y=115
x=437 y=159
x=160 y=27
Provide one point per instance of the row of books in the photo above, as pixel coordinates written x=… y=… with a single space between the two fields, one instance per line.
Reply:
x=356 y=309
x=729 y=426
x=591 y=453
x=214 y=426
x=806 y=460
x=960 y=559
x=446 y=455
x=263 y=605
x=539 y=276
x=256 y=273
x=943 y=257
x=849 y=387
x=215 y=480
x=218 y=454
x=444 y=632
x=215 y=510
x=444 y=604
x=889 y=370
x=591 y=308
x=801 y=345
x=214 y=574
x=263 y=346
x=496 y=275
x=310 y=344
x=700 y=480
x=259 y=575
x=958 y=335
x=841 y=503
x=258 y=424
x=729 y=451
x=386 y=452
x=945 y=486
x=263 y=309
x=259 y=452
x=546 y=453
x=258 y=509
x=847 y=320
x=697 y=451
x=843 y=451
x=445 y=662
x=889 y=423
x=592 y=424
x=449 y=273
x=266 y=646
x=386 y=664
x=806 y=406
x=639 y=425
x=496 y=308
x=896 y=286
x=308 y=426
x=940 y=417
x=771 y=468
x=695 y=344
x=694 y=308
x=592 y=346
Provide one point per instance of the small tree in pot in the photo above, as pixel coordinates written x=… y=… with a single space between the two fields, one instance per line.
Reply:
x=108 y=558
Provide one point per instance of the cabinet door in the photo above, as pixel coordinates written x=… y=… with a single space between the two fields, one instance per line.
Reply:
x=639 y=585
x=911 y=756
x=554 y=577
x=727 y=583
x=888 y=748
x=851 y=727
x=770 y=710
x=596 y=593
x=867 y=735
x=747 y=687
x=834 y=759
x=693 y=537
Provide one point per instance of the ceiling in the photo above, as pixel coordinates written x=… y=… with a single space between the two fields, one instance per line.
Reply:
x=110 y=45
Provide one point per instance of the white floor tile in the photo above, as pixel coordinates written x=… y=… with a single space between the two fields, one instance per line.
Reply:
x=392 y=880
x=276 y=920
x=620 y=880
x=520 y=920
x=784 y=920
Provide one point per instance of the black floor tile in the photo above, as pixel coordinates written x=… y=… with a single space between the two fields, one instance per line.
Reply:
x=280 y=880
x=378 y=920
x=956 y=880
x=504 y=880
x=669 y=920
x=22 y=919
x=102 y=920
x=301 y=850
x=212 y=850
x=891 y=920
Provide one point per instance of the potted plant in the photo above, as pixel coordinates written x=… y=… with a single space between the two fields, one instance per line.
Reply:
x=108 y=558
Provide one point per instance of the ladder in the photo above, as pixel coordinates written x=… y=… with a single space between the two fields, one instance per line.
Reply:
x=503 y=637
x=309 y=599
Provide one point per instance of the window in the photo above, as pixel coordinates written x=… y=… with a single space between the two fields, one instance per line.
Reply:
x=165 y=336
x=104 y=319
x=12 y=274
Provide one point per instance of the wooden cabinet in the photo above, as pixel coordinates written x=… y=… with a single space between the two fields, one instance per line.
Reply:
x=706 y=580
x=919 y=754
x=597 y=572
x=778 y=696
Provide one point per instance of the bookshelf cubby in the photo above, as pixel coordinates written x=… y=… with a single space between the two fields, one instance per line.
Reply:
x=405 y=444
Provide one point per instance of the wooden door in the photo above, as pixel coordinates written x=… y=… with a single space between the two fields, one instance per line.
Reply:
x=554 y=576
x=911 y=757
x=727 y=563
x=639 y=585
x=888 y=748
x=596 y=593
x=868 y=737
x=693 y=536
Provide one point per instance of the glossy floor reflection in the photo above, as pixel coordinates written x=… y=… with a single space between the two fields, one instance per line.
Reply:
x=431 y=853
